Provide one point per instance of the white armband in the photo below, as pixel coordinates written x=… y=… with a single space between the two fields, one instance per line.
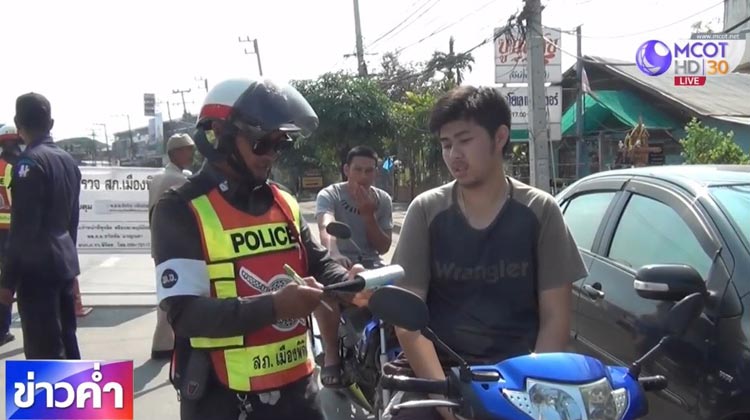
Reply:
x=182 y=277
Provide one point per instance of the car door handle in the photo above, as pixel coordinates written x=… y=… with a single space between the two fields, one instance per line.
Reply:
x=594 y=292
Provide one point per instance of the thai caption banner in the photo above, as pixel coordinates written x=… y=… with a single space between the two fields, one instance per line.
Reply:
x=114 y=210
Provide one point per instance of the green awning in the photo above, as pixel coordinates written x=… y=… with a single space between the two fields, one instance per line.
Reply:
x=518 y=136
x=612 y=110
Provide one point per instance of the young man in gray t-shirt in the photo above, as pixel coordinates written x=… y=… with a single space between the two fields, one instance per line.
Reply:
x=368 y=212
x=491 y=256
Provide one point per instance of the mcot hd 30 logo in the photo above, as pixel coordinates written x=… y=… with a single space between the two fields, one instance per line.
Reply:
x=68 y=389
x=692 y=61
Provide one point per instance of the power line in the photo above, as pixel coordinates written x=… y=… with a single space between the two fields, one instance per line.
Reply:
x=391 y=31
x=398 y=24
x=649 y=30
x=505 y=30
x=584 y=58
x=443 y=28
x=396 y=28
x=512 y=23
x=737 y=25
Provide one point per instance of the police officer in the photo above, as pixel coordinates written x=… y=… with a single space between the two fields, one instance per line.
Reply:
x=41 y=263
x=220 y=244
x=10 y=143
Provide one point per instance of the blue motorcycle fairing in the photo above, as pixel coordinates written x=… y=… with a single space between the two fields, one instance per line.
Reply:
x=637 y=401
x=569 y=368
x=485 y=400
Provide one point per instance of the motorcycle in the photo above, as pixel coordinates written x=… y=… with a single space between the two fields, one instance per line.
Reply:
x=365 y=342
x=546 y=386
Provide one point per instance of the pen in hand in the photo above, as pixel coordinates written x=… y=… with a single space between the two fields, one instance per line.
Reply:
x=297 y=279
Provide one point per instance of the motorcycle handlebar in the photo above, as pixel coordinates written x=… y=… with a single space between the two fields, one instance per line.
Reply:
x=416 y=385
x=653 y=383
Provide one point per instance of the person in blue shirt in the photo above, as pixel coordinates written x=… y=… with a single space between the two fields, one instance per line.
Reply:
x=41 y=262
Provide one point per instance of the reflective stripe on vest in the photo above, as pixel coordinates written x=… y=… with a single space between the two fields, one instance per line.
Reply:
x=261 y=360
x=6 y=169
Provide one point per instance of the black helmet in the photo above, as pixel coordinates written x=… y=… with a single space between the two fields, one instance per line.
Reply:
x=260 y=106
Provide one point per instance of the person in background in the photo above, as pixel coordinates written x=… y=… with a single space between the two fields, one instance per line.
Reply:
x=368 y=211
x=180 y=150
x=10 y=143
x=41 y=262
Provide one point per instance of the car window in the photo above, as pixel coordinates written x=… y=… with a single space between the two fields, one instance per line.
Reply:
x=583 y=215
x=735 y=201
x=651 y=232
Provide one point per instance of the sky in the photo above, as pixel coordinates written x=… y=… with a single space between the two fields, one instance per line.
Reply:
x=94 y=60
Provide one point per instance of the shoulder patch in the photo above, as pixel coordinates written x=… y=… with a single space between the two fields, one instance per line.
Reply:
x=23 y=167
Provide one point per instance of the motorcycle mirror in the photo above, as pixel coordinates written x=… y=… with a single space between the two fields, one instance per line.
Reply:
x=683 y=313
x=399 y=307
x=339 y=230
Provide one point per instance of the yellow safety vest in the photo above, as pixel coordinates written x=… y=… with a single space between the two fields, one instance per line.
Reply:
x=6 y=169
x=245 y=256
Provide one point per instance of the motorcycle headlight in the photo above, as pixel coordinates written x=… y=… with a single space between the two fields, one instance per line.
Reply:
x=555 y=401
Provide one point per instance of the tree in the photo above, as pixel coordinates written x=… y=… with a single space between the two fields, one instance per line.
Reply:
x=706 y=27
x=352 y=111
x=451 y=64
x=417 y=147
x=396 y=78
x=707 y=145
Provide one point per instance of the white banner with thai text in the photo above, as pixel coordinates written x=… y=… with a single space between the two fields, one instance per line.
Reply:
x=114 y=210
x=518 y=99
x=511 y=57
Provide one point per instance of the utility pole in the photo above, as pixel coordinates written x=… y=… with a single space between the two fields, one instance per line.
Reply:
x=106 y=139
x=256 y=52
x=539 y=156
x=169 y=108
x=130 y=133
x=205 y=82
x=182 y=94
x=360 y=49
x=93 y=144
x=579 y=105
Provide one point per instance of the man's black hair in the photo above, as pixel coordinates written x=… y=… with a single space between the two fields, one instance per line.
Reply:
x=34 y=113
x=484 y=105
x=361 y=151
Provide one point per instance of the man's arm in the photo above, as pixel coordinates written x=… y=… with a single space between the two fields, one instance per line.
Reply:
x=324 y=213
x=379 y=225
x=412 y=253
x=326 y=240
x=28 y=192
x=559 y=264
x=190 y=309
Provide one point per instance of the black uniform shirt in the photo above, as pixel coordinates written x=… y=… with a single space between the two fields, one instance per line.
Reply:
x=44 y=216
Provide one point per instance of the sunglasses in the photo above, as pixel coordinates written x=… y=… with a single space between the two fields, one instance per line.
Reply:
x=263 y=147
x=265 y=142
